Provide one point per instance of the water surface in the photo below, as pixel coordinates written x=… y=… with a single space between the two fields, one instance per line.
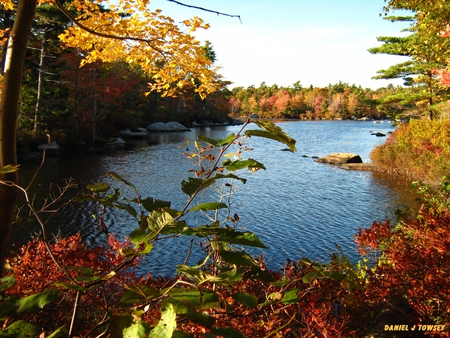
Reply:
x=299 y=208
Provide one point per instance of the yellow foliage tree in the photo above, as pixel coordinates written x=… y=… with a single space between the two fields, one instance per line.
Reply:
x=121 y=30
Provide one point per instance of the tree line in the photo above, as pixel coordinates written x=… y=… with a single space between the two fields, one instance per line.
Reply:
x=335 y=102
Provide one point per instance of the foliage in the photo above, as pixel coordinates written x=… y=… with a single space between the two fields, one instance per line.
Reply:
x=427 y=48
x=229 y=293
x=339 y=101
x=419 y=149
x=90 y=85
x=37 y=271
x=412 y=269
x=81 y=270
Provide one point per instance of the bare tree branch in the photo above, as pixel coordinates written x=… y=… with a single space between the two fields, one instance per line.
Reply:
x=206 y=10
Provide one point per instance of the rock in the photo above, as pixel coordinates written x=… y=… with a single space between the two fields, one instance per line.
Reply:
x=359 y=166
x=169 y=126
x=379 y=134
x=116 y=143
x=52 y=149
x=127 y=133
x=340 y=158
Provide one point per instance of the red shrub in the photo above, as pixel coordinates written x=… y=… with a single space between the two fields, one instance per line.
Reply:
x=35 y=271
x=414 y=266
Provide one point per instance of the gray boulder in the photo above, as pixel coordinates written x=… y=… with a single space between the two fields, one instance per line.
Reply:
x=127 y=133
x=52 y=149
x=116 y=143
x=169 y=126
x=340 y=158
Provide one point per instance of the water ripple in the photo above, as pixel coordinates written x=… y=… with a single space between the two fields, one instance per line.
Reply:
x=299 y=208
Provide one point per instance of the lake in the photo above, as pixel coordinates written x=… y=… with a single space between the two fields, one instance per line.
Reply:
x=298 y=207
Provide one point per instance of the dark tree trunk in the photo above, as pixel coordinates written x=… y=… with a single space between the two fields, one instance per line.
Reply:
x=9 y=107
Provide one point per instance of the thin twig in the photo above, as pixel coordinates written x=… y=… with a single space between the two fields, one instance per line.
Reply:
x=74 y=313
x=207 y=10
x=42 y=162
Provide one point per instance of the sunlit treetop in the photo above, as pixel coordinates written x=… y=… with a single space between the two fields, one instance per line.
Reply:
x=128 y=30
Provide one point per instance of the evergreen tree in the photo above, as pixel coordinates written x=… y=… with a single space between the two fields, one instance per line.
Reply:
x=423 y=47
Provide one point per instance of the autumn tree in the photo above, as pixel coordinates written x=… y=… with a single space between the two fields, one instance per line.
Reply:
x=126 y=31
x=427 y=46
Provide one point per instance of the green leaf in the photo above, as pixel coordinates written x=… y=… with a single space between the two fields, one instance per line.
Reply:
x=271 y=131
x=135 y=292
x=244 y=238
x=156 y=222
x=182 y=309
x=194 y=274
x=137 y=330
x=238 y=258
x=228 y=276
x=208 y=206
x=128 y=208
x=84 y=197
x=232 y=176
x=119 y=178
x=167 y=323
x=7 y=169
x=59 y=332
x=290 y=297
x=88 y=278
x=282 y=282
x=98 y=187
x=246 y=299
x=138 y=236
x=181 y=334
x=38 y=301
x=218 y=143
x=201 y=319
x=310 y=276
x=195 y=184
x=151 y=204
x=195 y=298
x=21 y=329
x=143 y=249
x=242 y=164
x=227 y=332
x=7 y=282
x=70 y=286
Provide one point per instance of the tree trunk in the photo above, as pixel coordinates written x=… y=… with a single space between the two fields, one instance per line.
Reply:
x=40 y=85
x=9 y=108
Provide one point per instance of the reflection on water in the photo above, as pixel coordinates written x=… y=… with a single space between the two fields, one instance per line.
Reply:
x=299 y=208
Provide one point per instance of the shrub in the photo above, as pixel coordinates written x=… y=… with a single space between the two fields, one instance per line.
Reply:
x=418 y=149
x=413 y=269
x=35 y=271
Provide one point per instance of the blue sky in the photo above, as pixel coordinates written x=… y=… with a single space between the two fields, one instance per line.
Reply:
x=316 y=42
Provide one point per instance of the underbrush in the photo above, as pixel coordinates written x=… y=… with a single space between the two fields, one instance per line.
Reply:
x=404 y=272
x=417 y=149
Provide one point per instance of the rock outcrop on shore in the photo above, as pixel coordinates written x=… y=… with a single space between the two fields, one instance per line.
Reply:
x=169 y=126
x=340 y=158
x=346 y=161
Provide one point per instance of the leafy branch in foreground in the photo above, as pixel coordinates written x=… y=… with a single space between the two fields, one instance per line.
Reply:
x=193 y=290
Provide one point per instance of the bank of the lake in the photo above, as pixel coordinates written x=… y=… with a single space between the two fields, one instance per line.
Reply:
x=298 y=207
